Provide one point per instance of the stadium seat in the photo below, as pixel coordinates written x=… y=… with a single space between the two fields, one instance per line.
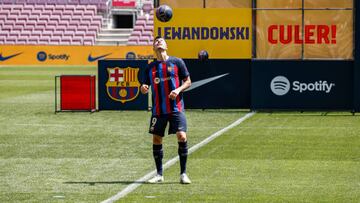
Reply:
x=46 y=33
x=7 y=28
x=44 y=40
x=7 y=1
x=12 y=17
x=149 y=28
x=80 y=34
x=77 y=40
x=55 y=40
x=22 y=40
x=28 y=28
x=3 y=33
x=32 y=40
x=66 y=40
x=63 y=23
x=16 y=8
x=33 y=17
x=17 y=28
x=88 y=41
x=136 y=33
x=57 y=33
x=22 y=17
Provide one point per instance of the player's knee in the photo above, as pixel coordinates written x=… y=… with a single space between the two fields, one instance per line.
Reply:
x=157 y=139
x=181 y=136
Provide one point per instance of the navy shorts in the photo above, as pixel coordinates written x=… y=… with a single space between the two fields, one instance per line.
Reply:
x=176 y=120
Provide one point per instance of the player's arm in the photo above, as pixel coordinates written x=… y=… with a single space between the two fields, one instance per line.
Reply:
x=145 y=86
x=186 y=84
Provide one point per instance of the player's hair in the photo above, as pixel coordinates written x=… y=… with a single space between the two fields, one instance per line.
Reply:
x=157 y=37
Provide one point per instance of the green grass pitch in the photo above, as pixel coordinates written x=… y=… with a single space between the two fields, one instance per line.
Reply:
x=83 y=157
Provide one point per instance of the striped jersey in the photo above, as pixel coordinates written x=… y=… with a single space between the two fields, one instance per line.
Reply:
x=164 y=77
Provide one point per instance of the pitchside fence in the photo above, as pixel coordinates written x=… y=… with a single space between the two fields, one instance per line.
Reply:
x=300 y=56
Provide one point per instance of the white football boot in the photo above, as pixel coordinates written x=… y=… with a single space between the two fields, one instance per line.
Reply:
x=156 y=179
x=184 y=179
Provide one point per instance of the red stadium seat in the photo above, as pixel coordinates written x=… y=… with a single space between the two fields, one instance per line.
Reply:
x=44 y=40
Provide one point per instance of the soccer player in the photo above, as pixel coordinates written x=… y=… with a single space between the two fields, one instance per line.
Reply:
x=168 y=78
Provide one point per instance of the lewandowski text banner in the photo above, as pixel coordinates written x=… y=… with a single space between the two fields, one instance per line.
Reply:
x=223 y=33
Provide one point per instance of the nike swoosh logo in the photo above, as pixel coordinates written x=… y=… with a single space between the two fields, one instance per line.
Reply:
x=4 y=58
x=92 y=59
x=205 y=81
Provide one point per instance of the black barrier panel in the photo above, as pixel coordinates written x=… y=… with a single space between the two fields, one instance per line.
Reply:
x=218 y=83
x=357 y=58
x=119 y=85
x=302 y=85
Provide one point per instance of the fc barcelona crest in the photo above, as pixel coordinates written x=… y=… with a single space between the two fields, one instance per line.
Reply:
x=123 y=84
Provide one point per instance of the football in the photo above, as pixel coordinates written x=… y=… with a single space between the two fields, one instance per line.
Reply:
x=203 y=55
x=164 y=13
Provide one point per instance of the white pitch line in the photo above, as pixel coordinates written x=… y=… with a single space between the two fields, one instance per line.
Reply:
x=172 y=161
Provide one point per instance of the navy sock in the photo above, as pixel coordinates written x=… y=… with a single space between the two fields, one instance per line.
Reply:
x=183 y=152
x=158 y=156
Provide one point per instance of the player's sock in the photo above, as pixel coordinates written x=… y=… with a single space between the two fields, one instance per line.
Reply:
x=158 y=156
x=183 y=152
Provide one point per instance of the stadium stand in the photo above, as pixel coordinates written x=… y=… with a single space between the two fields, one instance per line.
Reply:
x=142 y=33
x=75 y=22
x=48 y=24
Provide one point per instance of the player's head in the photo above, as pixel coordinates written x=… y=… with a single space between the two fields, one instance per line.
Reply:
x=159 y=44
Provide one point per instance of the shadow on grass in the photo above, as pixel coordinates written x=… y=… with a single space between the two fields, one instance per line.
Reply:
x=125 y=182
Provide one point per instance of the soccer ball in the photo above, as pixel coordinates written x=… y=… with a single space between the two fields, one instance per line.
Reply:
x=203 y=55
x=164 y=13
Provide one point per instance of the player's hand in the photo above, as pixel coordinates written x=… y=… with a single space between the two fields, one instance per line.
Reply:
x=173 y=94
x=144 y=89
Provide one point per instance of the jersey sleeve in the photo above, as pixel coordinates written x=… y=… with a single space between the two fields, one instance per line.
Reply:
x=183 y=71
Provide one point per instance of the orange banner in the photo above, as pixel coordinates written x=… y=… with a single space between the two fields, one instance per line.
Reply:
x=325 y=34
x=69 y=55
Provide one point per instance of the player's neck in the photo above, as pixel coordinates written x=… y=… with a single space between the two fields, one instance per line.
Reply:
x=162 y=56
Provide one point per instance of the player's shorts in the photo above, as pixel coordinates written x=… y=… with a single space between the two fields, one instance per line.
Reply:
x=176 y=120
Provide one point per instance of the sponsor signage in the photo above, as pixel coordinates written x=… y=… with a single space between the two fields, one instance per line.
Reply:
x=302 y=84
x=280 y=85
x=223 y=33
x=69 y=55
x=119 y=85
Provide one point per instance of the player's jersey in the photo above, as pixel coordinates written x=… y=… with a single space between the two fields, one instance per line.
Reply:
x=163 y=77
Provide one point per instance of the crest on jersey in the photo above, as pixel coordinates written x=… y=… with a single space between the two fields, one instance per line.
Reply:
x=123 y=84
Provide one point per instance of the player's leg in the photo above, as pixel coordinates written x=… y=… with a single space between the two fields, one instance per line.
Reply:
x=178 y=125
x=183 y=153
x=182 y=150
x=157 y=128
x=158 y=153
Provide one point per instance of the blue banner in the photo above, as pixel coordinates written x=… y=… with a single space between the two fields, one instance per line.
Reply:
x=302 y=85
